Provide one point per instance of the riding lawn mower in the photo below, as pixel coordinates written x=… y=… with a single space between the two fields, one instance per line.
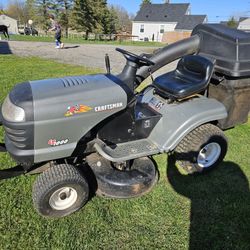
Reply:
x=96 y=134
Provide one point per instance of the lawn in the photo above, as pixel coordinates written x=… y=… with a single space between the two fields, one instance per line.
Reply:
x=211 y=211
x=80 y=40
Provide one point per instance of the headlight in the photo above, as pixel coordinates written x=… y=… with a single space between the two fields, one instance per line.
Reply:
x=12 y=112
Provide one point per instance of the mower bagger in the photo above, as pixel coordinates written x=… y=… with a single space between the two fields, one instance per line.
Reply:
x=95 y=134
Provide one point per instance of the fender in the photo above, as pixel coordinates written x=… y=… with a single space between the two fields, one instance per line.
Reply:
x=178 y=119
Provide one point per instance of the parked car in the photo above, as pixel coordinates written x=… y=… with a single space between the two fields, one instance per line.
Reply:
x=21 y=30
x=30 y=31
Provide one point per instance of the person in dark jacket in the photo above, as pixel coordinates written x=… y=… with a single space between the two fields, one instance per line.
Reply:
x=57 y=28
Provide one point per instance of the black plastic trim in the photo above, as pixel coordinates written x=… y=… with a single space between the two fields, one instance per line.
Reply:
x=125 y=87
x=19 y=136
x=21 y=96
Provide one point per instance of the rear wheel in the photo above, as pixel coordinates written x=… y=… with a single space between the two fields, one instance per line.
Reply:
x=202 y=149
x=60 y=191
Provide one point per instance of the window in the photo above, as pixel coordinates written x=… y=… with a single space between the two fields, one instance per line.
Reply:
x=142 y=28
x=162 y=29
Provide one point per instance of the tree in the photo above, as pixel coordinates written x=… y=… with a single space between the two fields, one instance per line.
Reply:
x=31 y=12
x=82 y=16
x=124 y=20
x=1 y=9
x=62 y=10
x=88 y=15
x=109 y=21
x=232 y=23
x=145 y=2
x=42 y=13
x=18 y=10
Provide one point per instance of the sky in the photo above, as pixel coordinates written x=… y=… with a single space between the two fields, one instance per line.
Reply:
x=216 y=10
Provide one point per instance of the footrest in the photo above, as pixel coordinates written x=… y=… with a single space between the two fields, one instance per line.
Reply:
x=127 y=150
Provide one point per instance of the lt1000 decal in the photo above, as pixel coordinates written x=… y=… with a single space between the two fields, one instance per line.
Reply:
x=54 y=142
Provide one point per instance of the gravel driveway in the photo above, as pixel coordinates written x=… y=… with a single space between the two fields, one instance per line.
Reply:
x=89 y=55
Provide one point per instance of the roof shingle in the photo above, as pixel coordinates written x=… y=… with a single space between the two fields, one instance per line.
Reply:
x=188 y=22
x=161 y=12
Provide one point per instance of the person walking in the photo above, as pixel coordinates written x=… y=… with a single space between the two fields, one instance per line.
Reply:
x=57 y=28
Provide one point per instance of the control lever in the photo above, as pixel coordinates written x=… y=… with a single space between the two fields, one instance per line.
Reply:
x=107 y=63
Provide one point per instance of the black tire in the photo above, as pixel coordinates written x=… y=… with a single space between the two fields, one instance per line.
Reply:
x=201 y=150
x=60 y=191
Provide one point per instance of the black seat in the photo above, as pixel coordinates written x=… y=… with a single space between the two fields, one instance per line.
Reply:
x=191 y=76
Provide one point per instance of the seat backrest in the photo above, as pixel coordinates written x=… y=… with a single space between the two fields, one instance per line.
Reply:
x=195 y=68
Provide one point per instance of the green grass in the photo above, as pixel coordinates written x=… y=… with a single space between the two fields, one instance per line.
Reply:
x=182 y=212
x=80 y=40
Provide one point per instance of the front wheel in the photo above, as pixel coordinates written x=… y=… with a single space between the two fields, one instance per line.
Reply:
x=202 y=149
x=60 y=191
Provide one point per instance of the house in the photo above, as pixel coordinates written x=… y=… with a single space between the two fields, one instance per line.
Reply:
x=244 y=24
x=10 y=22
x=159 y=22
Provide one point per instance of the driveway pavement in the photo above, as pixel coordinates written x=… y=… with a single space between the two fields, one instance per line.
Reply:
x=88 y=55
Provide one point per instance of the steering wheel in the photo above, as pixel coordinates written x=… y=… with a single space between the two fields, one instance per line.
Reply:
x=141 y=61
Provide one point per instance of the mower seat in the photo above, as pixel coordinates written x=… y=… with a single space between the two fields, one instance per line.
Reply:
x=191 y=76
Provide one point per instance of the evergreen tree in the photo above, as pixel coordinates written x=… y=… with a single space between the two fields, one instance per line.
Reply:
x=145 y=2
x=232 y=23
x=62 y=9
x=42 y=13
x=88 y=15
x=109 y=21
x=83 y=16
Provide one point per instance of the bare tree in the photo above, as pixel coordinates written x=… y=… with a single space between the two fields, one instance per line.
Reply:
x=18 y=10
x=124 y=23
x=1 y=8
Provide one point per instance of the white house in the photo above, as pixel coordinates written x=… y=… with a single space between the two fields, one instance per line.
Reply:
x=244 y=24
x=11 y=23
x=153 y=20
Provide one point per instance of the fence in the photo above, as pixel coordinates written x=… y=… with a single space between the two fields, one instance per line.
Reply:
x=93 y=36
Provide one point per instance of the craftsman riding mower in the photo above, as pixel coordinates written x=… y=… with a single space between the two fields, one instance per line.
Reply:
x=96 y=134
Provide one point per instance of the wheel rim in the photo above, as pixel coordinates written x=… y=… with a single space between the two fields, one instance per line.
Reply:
x=208 y=155
x=63 y=198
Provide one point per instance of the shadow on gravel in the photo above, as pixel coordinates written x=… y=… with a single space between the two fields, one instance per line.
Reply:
x=220 y=205
x=4 y=48
x=71 y=47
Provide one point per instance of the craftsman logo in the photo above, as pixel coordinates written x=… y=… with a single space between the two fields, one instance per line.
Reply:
x=77 y=109
x=108 y=107
x=54 y=142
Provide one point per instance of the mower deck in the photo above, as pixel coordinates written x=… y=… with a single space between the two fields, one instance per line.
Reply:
x=114 y=183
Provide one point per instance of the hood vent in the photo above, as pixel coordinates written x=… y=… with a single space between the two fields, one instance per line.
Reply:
x=74 y=81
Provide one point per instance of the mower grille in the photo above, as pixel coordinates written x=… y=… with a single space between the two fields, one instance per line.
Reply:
x=73 y=81
x=18 y=137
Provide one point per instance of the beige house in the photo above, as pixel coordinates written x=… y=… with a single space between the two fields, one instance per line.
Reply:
x=11 y=23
